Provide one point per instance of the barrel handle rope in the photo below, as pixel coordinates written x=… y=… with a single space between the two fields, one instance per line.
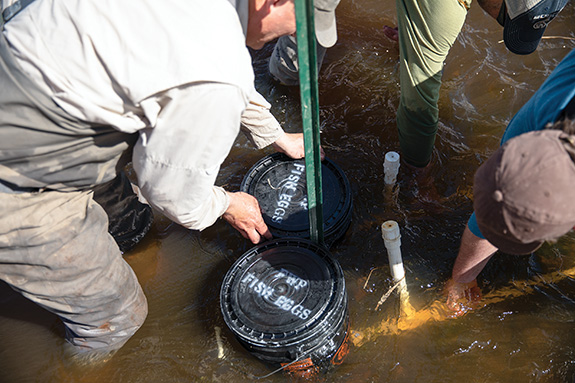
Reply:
x=299 y=358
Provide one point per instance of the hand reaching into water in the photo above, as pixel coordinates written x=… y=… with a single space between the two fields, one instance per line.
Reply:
x=462 y=297
x=245 y=216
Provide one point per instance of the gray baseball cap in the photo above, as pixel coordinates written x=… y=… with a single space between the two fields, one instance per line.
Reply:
x=523 y=194
x=324 y=20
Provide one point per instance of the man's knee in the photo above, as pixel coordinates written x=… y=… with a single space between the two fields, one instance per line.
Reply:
x=97 y=334
x=283 y=65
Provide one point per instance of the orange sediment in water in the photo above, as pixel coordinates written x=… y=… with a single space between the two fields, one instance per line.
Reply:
x=437 y=311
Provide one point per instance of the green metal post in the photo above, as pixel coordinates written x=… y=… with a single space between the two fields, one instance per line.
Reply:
x=307 y=60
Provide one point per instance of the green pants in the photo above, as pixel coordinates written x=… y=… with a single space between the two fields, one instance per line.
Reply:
x=427 y=30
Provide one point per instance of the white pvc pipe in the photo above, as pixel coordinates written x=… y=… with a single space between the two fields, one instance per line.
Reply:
x=392 y=239
x=390 y=167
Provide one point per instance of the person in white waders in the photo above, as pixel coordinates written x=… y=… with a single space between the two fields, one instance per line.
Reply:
x=88 y=86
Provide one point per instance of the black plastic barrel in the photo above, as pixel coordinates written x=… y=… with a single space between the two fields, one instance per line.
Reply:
x=279 y=184
x=285 y=301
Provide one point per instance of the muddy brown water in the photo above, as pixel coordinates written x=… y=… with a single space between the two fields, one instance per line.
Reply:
x=528 y=336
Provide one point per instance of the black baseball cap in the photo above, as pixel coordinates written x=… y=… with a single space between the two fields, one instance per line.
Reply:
x=524 y=22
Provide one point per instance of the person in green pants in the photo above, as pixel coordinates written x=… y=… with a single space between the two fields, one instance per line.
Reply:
x=426 y=31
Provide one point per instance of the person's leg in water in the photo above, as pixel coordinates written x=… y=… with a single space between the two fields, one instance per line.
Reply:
x=57 y=252
x=426 y=31
x=283 y=64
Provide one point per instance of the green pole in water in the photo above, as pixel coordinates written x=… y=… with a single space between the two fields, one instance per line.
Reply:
x=307 y=60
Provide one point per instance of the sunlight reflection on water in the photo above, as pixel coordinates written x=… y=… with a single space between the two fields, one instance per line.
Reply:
x=524 y=339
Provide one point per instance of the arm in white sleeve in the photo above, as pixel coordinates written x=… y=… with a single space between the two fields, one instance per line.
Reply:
x=258 y=123
x=178 y=158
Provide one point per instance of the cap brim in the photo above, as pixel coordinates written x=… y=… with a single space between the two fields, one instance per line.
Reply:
x=505 y=244
x=519 y=35
x=325 y=28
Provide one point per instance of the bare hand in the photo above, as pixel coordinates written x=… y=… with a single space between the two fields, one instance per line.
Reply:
x=245 y=216
x=292 y=145
x=462 y=297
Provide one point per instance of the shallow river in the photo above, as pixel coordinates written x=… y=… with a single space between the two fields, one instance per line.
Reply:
x=523 y=333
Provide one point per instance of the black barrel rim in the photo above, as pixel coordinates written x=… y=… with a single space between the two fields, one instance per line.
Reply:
x=284 y=334
x=278 y=183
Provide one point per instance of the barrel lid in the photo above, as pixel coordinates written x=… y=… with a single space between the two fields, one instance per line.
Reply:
x=279 y=290
x=279 y=184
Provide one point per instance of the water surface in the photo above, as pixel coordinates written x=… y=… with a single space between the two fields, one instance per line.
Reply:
x=527 y=336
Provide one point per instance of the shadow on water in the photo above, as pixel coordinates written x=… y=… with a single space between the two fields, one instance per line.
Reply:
x=524 y=338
